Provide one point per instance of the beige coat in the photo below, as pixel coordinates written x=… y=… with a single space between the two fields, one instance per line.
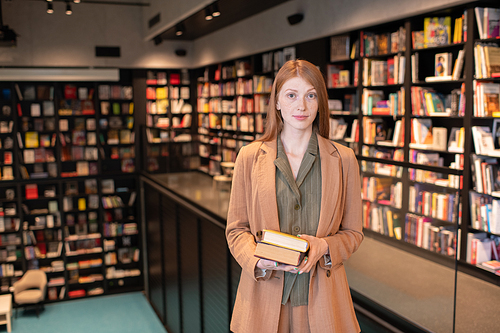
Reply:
x=253 y=207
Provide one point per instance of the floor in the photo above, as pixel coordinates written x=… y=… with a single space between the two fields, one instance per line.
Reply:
x=123 y=313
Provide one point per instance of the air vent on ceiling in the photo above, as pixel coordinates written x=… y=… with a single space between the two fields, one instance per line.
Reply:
x=107 y=51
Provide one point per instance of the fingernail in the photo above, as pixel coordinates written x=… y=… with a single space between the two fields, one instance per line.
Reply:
x=276 y=263
x=295 y=268
x=305 y=259
x=300 y=272
x=298 y=235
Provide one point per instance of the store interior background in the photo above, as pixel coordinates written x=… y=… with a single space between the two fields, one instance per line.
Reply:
x=59 y=40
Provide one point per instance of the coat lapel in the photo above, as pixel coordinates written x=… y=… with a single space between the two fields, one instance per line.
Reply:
x=266 y=185
x=331 y=185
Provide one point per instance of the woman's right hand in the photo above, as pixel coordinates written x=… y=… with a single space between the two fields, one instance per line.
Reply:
x=273 y=265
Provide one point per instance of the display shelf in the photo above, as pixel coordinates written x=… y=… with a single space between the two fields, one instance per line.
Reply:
x=11 y=249
x=7 y=127
x=169 y=118
x=57 y=165
x=120 y=227
x=37 y=131
x=78 y=130
x=116 y=129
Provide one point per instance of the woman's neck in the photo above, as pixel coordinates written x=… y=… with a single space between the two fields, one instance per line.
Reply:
x=295 y=142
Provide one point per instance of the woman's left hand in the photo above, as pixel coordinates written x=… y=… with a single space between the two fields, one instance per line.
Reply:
x=318 y=247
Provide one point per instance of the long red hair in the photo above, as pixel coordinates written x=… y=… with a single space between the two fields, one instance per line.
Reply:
x=308 y=72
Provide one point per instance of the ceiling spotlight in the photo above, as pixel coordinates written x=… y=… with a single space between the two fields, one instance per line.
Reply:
x=216 y=12
x=208 y=14
x=179 y=29
x=50 y=9
x=68 y=9
x=76 y=1
x=49 y=0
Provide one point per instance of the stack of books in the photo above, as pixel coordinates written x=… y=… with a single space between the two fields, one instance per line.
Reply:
x=281 y=247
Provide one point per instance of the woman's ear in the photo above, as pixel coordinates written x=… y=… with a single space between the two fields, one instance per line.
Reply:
x=278 y=106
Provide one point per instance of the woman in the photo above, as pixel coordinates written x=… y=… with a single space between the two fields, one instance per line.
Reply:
x=297 y=181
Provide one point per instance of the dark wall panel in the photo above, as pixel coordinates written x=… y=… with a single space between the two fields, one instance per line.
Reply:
x=192 y=276
x=189 y=268
x=155 y=262
x=170 y=264
x=214 y=263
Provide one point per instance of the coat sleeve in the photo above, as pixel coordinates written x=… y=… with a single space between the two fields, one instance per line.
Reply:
x=350 y=234
x=240 y=239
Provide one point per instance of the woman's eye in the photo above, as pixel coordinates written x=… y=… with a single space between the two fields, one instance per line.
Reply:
x=291 y=95
x=311 y=96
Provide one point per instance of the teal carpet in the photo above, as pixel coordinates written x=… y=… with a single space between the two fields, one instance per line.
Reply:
x=123 y=313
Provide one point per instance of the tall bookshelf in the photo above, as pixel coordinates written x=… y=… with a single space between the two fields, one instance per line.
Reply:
x=77 y=125
x=116 y=129
x=82 y=237
x=417 y=191
x=483 y=114
x=169 y=117
x=56 y=154
x=232 y=99
x=37 y=130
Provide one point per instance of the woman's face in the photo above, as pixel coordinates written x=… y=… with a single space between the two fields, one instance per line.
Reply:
x=298 y=102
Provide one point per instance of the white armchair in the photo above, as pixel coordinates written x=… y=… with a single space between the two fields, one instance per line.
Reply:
x=31 y=290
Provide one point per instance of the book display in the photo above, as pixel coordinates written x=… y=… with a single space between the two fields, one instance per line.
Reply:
x=169 y=118
x=232 y=100
x=342 y=82
x=78 y=131
x=116 y=128
x=42 y=231
x=413 y=131
x=52 y=216
x=37 y=130
x=416 y=188
x=483 y=236
x=225 y=112
x=6 y=133
x=121 y=242
x=82 y=236
x=11 y=263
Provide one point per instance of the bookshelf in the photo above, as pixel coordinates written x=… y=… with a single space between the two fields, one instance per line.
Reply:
x=11 y=250
x=429 y=167
x=232 y=99
x=42 y=231
x=82 y=236
x=37 y=130
x=116 y=128
x=121 y=242
x=52 y=214
x=78 y=130
x=169 y=118
x=482 y=231
x=6 y=130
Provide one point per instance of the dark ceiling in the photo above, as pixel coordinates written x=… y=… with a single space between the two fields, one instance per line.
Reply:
x=231 y=11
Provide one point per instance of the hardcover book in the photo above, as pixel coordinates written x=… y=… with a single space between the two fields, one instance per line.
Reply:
x=278 y=254
x=437 y=31
x=442 y=64
x=339 y=48
x=285 y=240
